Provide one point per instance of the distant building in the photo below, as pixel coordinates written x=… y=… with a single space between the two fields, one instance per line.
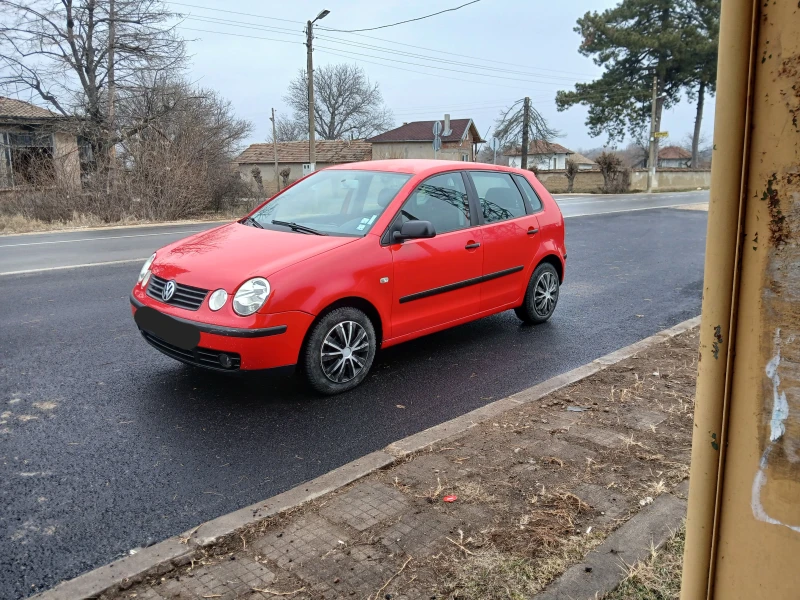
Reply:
x=35 y=146
x=292 y=156
x=460 y=139
x=584 y=164
x=674 y=157
x=545 y=156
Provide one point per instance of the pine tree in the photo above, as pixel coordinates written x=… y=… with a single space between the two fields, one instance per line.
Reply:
x=635 y=41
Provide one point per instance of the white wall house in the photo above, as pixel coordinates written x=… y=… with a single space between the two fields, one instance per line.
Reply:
x=543 y=155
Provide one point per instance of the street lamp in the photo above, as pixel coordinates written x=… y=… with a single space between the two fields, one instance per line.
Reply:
x=312 y=150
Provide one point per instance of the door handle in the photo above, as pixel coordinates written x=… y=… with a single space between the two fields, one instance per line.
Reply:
x=472 y=246
x=532 y=231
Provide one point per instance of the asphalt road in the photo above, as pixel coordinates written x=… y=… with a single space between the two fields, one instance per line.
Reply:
x=38 y=251
x=106 y=445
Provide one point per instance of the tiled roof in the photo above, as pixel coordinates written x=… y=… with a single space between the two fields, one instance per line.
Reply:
x=674 y=152
x=540 y=147
x=580 y=159
x=328 y=151
x=422 y=131
x=11 y=108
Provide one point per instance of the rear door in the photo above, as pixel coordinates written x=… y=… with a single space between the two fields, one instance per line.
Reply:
x=510 y=236
x=436 y=280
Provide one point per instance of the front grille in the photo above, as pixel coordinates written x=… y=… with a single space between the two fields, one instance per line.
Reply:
x=185 y=296
x=200 y=357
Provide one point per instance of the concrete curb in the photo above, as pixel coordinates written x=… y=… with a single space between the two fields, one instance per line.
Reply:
x=179 y=550
x=606 y=566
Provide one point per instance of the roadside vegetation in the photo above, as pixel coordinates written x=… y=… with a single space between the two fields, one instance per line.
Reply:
x=659 y=578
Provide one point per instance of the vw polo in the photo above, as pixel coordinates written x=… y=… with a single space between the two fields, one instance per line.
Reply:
x=351 y=259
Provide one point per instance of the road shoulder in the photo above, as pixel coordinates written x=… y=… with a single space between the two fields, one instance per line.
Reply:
x=541 y=478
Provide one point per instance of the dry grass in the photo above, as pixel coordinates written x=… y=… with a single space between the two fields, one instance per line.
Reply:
x=16 y=223
x=658 y=578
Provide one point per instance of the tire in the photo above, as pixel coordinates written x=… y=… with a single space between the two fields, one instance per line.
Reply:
x=541 y=296
x=339 y=351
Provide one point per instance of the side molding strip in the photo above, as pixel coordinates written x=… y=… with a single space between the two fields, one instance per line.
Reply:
x=460 y=284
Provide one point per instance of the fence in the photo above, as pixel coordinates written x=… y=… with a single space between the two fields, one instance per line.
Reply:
x=592 y=181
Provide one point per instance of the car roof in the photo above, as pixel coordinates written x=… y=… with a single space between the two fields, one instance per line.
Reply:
x=415 y=166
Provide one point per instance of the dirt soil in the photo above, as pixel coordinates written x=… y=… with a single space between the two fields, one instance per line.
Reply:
x=536 y=490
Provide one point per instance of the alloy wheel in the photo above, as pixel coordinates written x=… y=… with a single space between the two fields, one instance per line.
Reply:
x=344 y=352
x=545 y=294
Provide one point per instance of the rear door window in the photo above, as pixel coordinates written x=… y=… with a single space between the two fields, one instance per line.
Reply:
x=499 y=197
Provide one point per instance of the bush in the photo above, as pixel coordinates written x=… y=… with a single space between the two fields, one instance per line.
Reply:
x=616 y=180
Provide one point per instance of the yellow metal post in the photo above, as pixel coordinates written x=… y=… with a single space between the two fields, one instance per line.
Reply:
x=743 y=525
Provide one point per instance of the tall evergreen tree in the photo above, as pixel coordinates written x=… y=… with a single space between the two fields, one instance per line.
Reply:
x=635 y=41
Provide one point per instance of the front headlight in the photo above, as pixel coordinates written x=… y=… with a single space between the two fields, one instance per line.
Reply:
x=251 y=296
x=146 y=267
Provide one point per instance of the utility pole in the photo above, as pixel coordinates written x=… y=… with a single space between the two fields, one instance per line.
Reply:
x=526 y=117
x=312 y=150
x=651 y=161
x=275 y=149
x=112 y=150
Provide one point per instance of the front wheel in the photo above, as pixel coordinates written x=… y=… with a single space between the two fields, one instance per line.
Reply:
x=541 y=296
x=339 y=352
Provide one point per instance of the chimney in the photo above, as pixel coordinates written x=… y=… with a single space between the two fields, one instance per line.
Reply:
x=447 y=131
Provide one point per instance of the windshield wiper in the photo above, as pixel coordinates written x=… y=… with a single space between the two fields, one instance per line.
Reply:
x=296 y=227
x=253 y=222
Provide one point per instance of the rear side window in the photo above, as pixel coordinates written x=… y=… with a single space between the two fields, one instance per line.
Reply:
x=530 y=193
x=499 y=198
x=442 y=200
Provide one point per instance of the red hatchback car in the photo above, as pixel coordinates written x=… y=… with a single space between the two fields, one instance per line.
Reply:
x=351 y=259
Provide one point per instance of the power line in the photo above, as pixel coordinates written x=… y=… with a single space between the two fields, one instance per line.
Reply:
x=423 y=73
x=231 y=23
x=502 y=62
x=460 y=55
x=252 y=37
x=233 y=12
x=406 y=21
x=360 y=45
x=405 y=62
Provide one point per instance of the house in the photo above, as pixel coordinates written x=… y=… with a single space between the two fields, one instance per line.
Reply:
x=460 y=139
x=674 y=157
x=257 y=163
x=36 y=146
x=545 y=156
x=584 y=164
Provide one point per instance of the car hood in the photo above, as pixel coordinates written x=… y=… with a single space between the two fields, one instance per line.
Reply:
x=226 y=256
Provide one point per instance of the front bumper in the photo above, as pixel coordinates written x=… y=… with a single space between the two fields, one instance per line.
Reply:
x=275 y=345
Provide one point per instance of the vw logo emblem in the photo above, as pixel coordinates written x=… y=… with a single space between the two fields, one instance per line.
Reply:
x=169 y=291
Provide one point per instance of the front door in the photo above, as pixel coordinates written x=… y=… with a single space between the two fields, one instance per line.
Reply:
x=510 y=237
x=435 y=280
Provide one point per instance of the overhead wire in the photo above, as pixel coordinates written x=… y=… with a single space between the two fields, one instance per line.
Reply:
x=408 y=20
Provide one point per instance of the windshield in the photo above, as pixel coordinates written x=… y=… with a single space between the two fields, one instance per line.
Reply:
x=335 y=202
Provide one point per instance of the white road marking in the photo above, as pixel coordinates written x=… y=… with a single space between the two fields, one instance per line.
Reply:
x=115 y=237
x=136 y=260
x=111 y=262
x=608 y=212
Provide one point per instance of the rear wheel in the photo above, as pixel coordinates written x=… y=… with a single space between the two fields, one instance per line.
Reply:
x=541 y=296
x=339 y=351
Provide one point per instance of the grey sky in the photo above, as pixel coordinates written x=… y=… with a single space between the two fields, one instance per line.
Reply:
x=534 y=38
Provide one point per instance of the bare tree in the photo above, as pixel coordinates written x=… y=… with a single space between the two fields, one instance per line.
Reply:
x=346 y=103
x=616 y=179
x=521 y=123
x=571 y=170
x=288 y=130
x=60 y=52
x=185 y=148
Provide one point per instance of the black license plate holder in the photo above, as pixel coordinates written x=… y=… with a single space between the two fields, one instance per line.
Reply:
x=177 y=333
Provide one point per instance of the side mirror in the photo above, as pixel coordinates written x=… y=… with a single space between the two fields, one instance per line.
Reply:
x=412 y=230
